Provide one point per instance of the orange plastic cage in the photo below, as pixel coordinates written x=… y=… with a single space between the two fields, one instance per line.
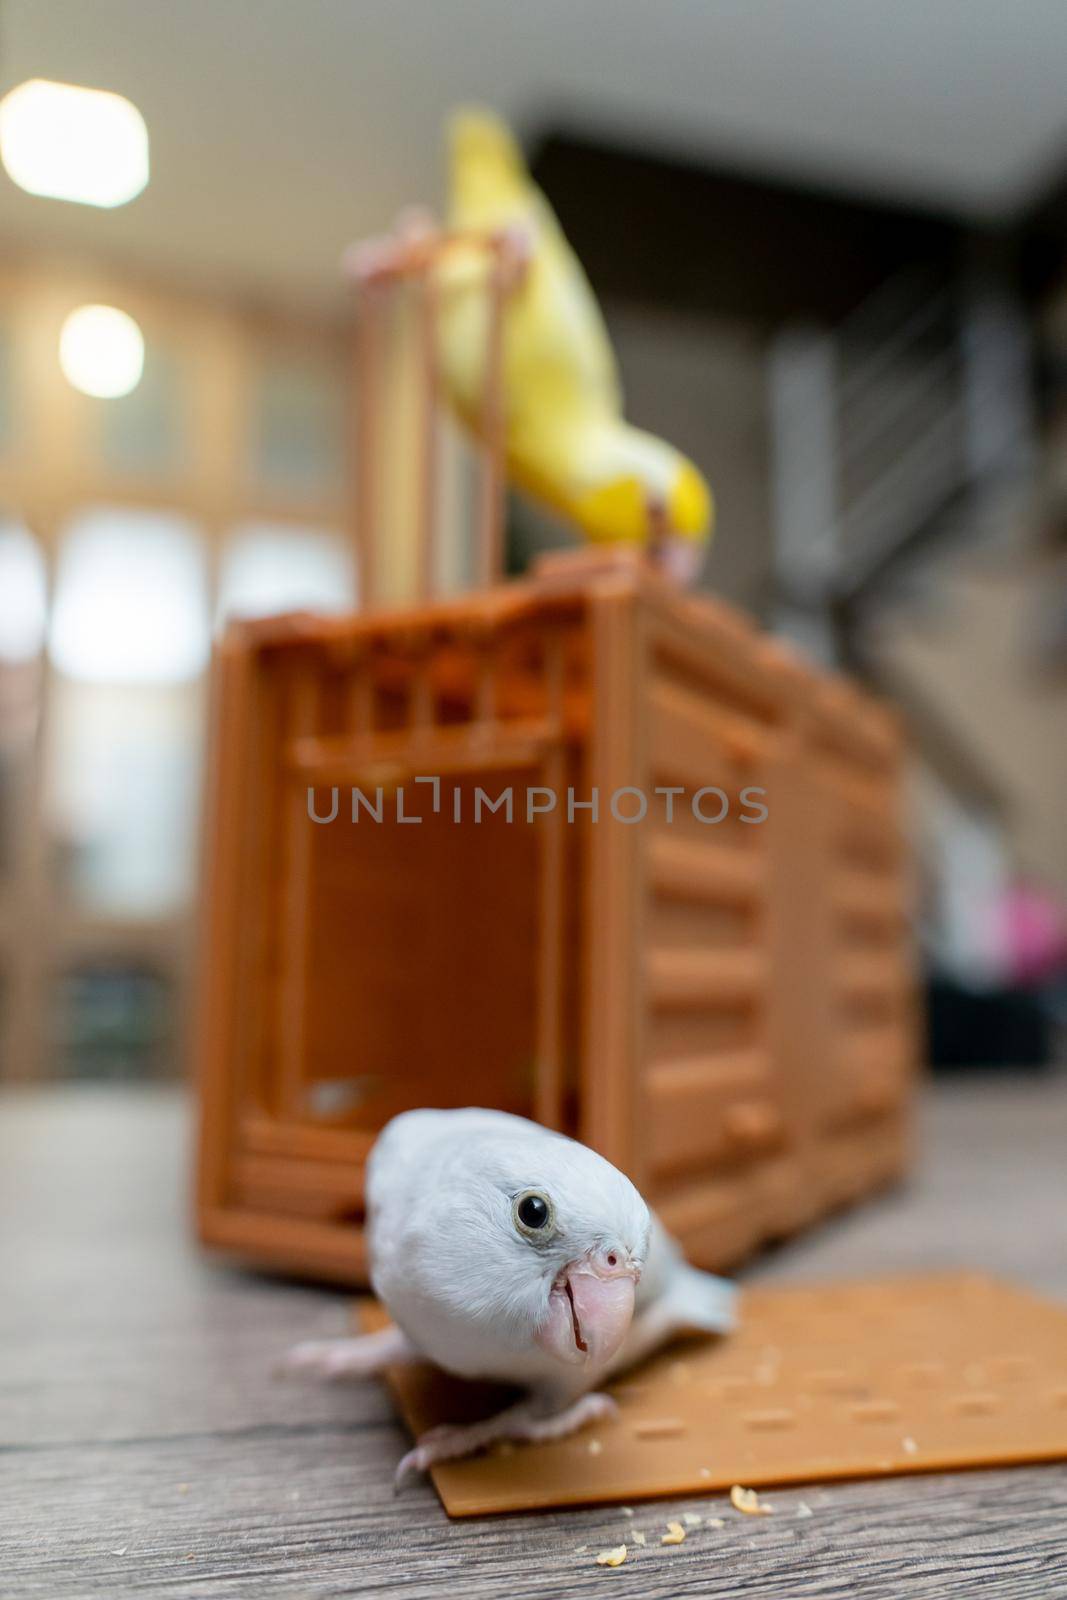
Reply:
x=725 y=1008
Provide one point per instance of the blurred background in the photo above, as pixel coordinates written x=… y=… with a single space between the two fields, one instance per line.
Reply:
x=831 y=245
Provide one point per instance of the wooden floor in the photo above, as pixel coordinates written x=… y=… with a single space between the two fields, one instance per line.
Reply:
x=146 y=1449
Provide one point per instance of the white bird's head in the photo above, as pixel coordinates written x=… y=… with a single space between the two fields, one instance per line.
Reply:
x=545 y=1242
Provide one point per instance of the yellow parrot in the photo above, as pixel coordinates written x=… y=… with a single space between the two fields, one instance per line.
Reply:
x=567 y=443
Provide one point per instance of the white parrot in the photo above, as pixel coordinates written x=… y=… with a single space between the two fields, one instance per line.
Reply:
x=504 y=1251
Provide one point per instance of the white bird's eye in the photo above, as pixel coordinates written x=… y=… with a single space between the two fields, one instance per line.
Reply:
x=533 y=1214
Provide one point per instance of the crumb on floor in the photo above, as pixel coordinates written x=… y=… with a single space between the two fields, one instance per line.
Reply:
x=748 y=1502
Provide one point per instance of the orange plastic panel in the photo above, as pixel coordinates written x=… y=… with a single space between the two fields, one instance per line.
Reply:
x=845 y=1381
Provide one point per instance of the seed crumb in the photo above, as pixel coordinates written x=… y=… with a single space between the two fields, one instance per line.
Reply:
x=627 y=1511
x=804 y=1510
x=612 y=1558
x=581 y=1549
x=705 y=1472
x=183 y=1488
x=909 y=1445
x=716 y=1522
x=639 y=1537
x=675 y=1534
x=748 y=1501
x=121 y=1552
x=691 y=1519
x=595 y=1447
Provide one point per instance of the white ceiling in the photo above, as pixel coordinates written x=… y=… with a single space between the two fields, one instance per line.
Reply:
x=283 y=128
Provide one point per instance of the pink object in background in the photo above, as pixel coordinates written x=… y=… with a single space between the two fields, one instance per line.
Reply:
x=1033 y=932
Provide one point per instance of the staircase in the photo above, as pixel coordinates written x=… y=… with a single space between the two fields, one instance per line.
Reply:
x=893 y=436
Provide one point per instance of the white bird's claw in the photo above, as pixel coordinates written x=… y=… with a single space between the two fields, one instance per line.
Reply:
x=450 y=1442
x=360 y=1357
x=412 y=1465
x=347 y=1358
x=322 y=1358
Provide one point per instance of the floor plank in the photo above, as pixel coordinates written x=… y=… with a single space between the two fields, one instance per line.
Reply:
x=147 y=1448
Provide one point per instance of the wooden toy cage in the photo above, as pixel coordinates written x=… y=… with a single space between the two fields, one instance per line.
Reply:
x=724 y=1008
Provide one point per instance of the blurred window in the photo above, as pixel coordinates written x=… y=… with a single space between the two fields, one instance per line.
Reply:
x=130 y=603
x=121 y=788
x=112 y=1021
x=267 y=568
x=129 y=637
x=142 y=432
x=23 y=609
x=23 y=593
x=7 y=387
x=298 y=428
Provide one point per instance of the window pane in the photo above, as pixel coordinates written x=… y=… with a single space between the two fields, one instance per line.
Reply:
x=298 y=429
x=7 y=390
x=122 y=775
x=112 y=1021
x=141 y=432
x=130 y=600
x=22 y=594
x=266 y=569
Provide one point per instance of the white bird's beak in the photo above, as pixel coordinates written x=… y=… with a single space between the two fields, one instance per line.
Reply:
x=590 y=1309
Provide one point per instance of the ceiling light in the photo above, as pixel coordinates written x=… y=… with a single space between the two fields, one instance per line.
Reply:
x=101 y=351
x=69 y=143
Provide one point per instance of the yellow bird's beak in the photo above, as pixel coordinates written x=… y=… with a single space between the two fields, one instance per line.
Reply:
x=621 y=509
x=689 y=509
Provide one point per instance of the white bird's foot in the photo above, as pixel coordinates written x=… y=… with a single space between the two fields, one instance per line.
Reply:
x=451 y=1441
x=349 y=1358
x=590 y=1408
